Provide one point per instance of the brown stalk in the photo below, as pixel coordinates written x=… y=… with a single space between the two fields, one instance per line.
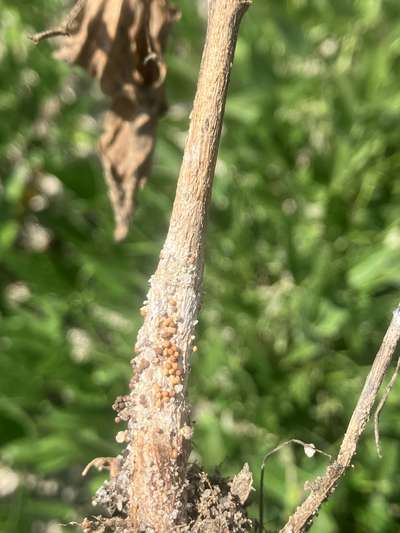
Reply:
x=322 y=487
x=152 y=481
x=160 y=436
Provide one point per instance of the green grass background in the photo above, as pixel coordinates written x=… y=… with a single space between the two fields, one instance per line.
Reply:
x=302 y=268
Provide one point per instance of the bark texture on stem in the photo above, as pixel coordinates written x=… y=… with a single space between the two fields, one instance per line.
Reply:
x=152 y=479
x=321 y=488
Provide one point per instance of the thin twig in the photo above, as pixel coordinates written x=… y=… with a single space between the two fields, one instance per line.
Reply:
x=309 y=450
x=110 y=463
x=321 y=488
x=65 y=28
x=380 y=407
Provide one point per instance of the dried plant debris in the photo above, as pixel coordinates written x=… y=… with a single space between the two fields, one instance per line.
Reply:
x=121 y=44
x=216 y=505
x=213 y=504
x=242 y=484
x=99 y=524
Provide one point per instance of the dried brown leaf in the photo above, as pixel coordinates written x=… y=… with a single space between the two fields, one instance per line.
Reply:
x=242 y=484
x=121 y=44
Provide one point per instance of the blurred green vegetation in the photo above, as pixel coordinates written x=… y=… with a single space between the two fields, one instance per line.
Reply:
x=302 y=265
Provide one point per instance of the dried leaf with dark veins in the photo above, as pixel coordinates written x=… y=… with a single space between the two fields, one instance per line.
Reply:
x=121 y=43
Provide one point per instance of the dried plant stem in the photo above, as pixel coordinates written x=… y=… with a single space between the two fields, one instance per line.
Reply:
x=381 y=406
x=321 y=488
x=64 y=29
x=159 y=431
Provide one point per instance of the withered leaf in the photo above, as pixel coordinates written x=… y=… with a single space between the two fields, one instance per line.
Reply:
x=242 y=484
x=121 y=44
